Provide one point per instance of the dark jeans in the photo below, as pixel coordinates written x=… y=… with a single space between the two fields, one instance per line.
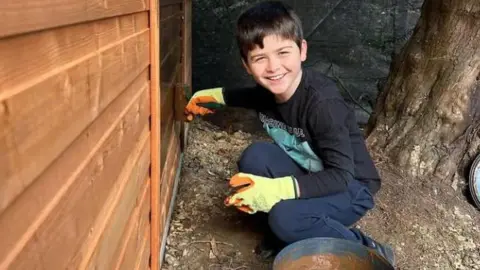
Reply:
x=294 y=220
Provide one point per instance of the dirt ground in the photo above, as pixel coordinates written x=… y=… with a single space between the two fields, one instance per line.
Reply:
x=430 y=226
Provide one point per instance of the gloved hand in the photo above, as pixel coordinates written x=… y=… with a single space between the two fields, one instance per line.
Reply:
x=259 y=193
x=204 y=101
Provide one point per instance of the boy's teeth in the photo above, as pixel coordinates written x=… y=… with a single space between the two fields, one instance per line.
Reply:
x=276 y=77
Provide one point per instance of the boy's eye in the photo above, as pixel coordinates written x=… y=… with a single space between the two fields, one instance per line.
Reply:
x=284 y=53
x=258 y=59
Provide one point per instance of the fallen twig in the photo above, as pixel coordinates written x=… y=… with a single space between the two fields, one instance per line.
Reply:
x=209 y=242
x=199 y=249
x=227 y=268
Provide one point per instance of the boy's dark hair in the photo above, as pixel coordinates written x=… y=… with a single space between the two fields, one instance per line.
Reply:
x=267 y=18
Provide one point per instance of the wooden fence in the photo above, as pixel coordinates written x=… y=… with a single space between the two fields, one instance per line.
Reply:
x=90 y=144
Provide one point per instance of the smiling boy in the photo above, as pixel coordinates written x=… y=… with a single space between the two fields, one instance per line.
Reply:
x=317 y=179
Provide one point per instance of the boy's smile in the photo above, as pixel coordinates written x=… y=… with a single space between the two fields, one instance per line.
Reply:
x=277 y=66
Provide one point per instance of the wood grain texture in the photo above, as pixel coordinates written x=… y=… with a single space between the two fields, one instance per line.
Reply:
x=33 y=15
x=98 y=251
x=167 y=112
x=61 y=234
x=79 y=82
x=167 y=129
x=186 y=60
x=178 y=104
x=180 y=100
x=155 y=118
x=137 y=236
x=30 y=59
x=171 y=63
x=143 y=259
x=29 y=143
x=170 y=39
x=187 y=43
x=52 y=217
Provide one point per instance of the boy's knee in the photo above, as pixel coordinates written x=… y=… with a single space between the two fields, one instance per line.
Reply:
x=291 y=224
x=254 y=158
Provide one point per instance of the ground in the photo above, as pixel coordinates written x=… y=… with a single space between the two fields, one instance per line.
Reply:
x=430 y=225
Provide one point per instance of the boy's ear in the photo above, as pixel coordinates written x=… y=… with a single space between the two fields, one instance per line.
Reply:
x=303 y=50
x=247 y=68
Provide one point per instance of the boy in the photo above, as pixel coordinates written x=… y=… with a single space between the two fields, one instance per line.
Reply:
x=318 y=178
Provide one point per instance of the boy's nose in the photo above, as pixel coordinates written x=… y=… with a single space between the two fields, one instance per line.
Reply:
x=273 y=65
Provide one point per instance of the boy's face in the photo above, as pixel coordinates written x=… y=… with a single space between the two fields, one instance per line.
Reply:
x=277 y=66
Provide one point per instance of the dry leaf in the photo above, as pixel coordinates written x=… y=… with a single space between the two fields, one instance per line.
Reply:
x=213 y=245
x=211 y=255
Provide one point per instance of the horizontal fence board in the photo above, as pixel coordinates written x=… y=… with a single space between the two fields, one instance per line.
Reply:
x=68 y=225
x=46 y=198
x=143 y=259
x=170 y=33
x=168 y=114
x=26 y=16
x=170 y=53
x=98 y=251
x=30 y=59
x=169 y=65
x=166 y=131
x=137 y=237
x=29 y=143
x=75 y=145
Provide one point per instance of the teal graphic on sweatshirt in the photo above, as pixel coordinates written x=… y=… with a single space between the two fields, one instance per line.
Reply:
x=295 y=148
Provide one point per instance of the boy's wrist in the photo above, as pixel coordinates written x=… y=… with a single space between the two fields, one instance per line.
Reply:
x=216 y=93
x=296 y=187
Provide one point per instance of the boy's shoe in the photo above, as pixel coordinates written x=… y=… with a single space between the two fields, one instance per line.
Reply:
x=383 y=250
x=269 y=247
x=265 y=251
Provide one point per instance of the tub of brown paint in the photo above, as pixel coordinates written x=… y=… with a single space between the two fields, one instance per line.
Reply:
x=329 y=254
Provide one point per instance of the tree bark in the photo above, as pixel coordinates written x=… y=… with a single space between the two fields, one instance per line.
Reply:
x=427 y=118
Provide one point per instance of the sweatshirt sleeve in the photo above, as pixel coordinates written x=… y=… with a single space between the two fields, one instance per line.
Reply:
x=331 y=142
x=247 y=97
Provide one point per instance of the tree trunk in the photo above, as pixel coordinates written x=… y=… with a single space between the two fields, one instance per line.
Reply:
x=427 y=118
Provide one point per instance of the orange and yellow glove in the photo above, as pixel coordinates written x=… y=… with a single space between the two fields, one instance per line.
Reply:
x=204 y=102
x=257 y=193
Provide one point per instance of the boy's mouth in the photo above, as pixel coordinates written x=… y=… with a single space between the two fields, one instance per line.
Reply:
x=276 y=78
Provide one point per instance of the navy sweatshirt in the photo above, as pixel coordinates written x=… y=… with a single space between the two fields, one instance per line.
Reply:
x=317 y=129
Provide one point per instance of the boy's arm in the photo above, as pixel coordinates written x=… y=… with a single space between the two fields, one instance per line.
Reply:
x=331 y=142
x=247 y=97
x=206 y=101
